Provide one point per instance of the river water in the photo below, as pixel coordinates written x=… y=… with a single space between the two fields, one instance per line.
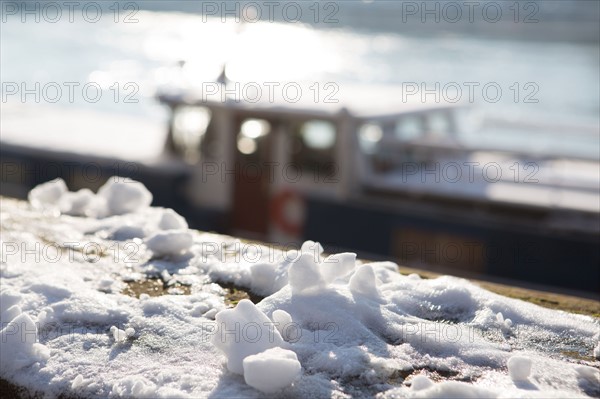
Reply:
x=529 y=93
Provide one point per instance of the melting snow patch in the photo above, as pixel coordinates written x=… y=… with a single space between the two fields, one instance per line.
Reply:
x=18 y=345
x=327 y=326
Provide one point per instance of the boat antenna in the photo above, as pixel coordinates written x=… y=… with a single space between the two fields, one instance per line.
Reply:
x=222 y=79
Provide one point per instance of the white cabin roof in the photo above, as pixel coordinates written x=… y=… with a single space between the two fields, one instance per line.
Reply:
x=361 y=101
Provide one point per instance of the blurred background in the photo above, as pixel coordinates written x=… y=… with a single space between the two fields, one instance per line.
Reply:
x=460 y=137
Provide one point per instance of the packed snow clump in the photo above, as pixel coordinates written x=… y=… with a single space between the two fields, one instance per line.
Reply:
x=171 y=220
x=118 y=298
x=124 y=196
x=519 y=368
x=170 y=242
x=47 y=195
x=247 y=321
x=117 y=196
x=272 y=370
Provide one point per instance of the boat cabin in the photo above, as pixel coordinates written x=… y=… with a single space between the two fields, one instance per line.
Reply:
x=263 y=160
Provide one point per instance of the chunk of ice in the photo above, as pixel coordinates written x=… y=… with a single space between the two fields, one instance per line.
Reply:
x=272 y=370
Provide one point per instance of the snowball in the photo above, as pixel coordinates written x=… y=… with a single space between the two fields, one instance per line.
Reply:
x=171 y=220
x=47 y=194
x=80 y=203
x=364 y=282
x=420 y=382
x=519 y=368
x=271 y=370
x=338 y=265
x=281 y=318
x=304 y=274
x=597 y=351
x=244 y=331
x=500 y=318
x=118 y=334
x=505 y=324
x=18 y=344
x=170 y=242
x=124 y=196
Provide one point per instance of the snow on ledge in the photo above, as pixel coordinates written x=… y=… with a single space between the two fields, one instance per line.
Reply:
x=326 y=326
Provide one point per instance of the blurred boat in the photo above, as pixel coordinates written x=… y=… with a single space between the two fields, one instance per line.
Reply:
x=379 y=175
x=369 y=172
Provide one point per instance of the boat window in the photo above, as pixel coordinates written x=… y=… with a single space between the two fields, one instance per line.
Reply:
x=250 y=134
x=369 y=135
x=318 y=135
x=438 y=124
x=190 y=125
x=313 y=144
x=409 y=128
